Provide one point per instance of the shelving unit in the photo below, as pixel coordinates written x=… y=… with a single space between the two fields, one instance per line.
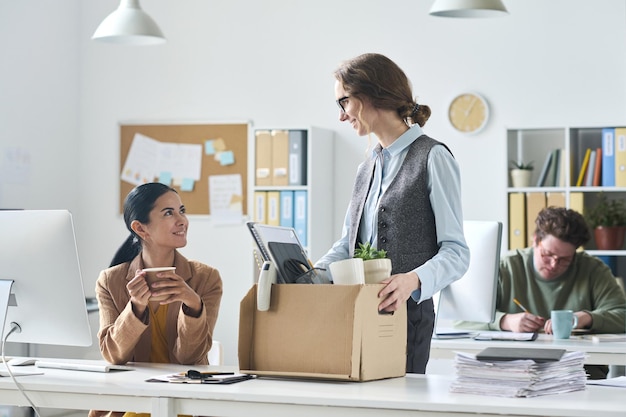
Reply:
x=318 y=185
x=534 y=145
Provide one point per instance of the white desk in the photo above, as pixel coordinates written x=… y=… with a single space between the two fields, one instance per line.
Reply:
x=602 y=353
x=414 y=395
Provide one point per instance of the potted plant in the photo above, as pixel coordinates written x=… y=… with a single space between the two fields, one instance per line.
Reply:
x=521 y=173
x=607 y=218
x=376 y=265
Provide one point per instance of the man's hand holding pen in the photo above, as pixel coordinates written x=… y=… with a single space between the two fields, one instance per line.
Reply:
x=524 y=322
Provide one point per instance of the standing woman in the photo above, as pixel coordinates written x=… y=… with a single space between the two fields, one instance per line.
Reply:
x=406 y=197
x=178 y=329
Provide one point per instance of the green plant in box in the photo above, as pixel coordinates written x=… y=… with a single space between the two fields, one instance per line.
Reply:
x=366 y=252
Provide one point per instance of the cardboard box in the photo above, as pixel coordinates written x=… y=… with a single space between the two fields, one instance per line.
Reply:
x=322 y=331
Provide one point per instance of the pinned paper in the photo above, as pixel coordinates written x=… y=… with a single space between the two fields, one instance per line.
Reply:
x=227 y=158
x=209 y=148
x=187 y=184
x=165 y=178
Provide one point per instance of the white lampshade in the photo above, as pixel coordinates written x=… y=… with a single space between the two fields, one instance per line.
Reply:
x=129 y=25
x=468 y=8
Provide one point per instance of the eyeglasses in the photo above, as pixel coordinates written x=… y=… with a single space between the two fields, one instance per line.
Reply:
x=340 y=103
x=548 y=257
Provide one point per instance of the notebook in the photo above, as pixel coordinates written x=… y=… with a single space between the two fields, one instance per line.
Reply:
x=89 y=366
x=510 y=354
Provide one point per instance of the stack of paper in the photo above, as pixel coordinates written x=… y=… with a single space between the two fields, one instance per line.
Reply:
x=518 y=378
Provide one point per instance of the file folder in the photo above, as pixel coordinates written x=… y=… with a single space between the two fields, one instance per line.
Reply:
x=297 y=157
x=517 y=221
x=260 y=206
x=555 y=199
x=263 y=158
x=535 y=202
x=286 y=208
x=300 y=215
x=608 y=157
x=273 y=208
x=620 y=156
x=280 y=157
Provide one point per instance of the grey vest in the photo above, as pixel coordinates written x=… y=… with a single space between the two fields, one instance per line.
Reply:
x=406 y=222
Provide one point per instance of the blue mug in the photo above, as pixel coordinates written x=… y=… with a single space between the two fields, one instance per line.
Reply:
x=563 y=321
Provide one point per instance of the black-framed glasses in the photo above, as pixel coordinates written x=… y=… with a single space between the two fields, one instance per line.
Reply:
x=549 y=257
x=340 y=103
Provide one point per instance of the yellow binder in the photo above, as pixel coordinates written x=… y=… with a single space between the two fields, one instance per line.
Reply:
x=517 y=221
x=535 y=202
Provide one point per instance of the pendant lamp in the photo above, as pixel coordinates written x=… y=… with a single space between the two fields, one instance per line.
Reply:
x=468 y=8
x=129 y=25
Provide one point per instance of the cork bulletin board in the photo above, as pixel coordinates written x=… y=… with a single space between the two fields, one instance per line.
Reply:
x=230 y=140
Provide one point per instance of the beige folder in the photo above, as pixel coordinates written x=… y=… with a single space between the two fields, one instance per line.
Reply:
x=280 y=157
x=263 y=157
x=535 y=202
x=517 y=221
x=555 y=199
x=260 y=206
x=273 y=208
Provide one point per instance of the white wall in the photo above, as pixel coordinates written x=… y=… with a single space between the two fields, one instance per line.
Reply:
x=62 y=96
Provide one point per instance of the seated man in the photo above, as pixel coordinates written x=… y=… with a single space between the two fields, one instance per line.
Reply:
x=551 y=275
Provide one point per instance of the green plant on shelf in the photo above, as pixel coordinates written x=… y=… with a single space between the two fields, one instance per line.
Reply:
x=606 y=213
x=522 y=165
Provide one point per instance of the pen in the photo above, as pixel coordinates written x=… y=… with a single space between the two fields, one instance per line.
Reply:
x=521 y=306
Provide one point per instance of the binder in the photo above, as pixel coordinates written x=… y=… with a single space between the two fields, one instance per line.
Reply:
x=563 y=168
x=555 y=199
x=556 y=158
x=273 y=208
x=535 y=202
x=300 y=215
x=583 y=168
x=280 y=157
x=608 y=157
x=517 y=221
x=263 y=158
x=286 y=208
x=620 y=156
x=297 y=157
x=260 y=206
x=577 y=202
x=544 y=170
x=590 y=169
x=597 y=172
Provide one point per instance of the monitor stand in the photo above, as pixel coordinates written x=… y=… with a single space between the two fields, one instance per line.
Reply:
x=5 y=299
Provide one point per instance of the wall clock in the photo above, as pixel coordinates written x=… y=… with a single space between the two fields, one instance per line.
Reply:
x=468 y=112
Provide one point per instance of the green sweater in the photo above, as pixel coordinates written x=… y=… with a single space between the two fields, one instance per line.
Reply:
x=587 y=285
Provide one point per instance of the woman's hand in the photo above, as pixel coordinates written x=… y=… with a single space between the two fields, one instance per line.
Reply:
x=139 y=293
x=398 y=289
x=174 y=288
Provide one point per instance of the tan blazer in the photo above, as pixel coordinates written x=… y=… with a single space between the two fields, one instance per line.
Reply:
x=123 y=337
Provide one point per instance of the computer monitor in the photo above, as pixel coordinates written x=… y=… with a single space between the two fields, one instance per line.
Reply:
x=41 y=288
x=473 y=296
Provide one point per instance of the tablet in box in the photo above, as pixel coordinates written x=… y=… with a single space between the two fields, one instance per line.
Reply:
x=322 y=331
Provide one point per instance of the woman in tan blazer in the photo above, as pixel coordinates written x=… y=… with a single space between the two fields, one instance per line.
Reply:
x=179 y=328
